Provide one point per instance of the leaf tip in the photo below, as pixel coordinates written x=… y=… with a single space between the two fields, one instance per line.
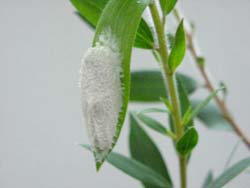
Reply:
x=98 y=166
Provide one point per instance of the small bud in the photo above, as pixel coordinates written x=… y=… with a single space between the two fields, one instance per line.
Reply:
x=201 y=61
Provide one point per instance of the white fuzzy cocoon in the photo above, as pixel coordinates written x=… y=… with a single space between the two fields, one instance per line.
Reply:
x=101 y=95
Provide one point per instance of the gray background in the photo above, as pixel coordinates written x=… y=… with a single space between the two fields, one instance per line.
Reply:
x=41 y=44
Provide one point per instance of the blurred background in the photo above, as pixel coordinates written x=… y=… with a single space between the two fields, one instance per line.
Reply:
x=41 y=45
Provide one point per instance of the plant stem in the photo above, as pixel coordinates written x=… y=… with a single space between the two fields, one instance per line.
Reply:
x=220 y=103
x=169 y=77
x=183 y=171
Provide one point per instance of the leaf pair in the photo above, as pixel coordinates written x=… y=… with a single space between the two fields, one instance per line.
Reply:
x=189 y=140
x=210 y=115
x=147 y=164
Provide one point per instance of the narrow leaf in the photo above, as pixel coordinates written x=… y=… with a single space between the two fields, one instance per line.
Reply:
x=87 y=22
x=232 y=154
x=184 y=101
x=91 y=10
x=148 y=86
x=144 y=37
x=211 y=116
x=135 y=169
x=153 y=110
x=186 y=116
x=198 y=109
x=143 y=149
x=187 y=143
x=152 y=123
x=113 y=29
x=167 y=104
x=178 y=51
x=167 y=6
x=138 y=170
x=171 y=40
x=208 y=179
x=230 y=174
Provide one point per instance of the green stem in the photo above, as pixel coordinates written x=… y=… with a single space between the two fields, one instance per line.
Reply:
x=169 y=77
x=183 y=170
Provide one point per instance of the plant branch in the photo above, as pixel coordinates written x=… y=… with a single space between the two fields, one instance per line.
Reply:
x=169 y=78
x=220 y=103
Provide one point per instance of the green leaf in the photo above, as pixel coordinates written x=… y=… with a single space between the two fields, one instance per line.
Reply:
x=143 y=149
x=211 y=116
x=148 y=86
x=189 y=84
x=185 y=106
x=178 y=51
x=171 y=40
x=186 y=116
x=88 y=23
x=156 y=55
x=167 y=6
x=135 y=169
x=230 y=174
x=152 y=123
x=208 y=179
x=91 y=10
x=232 y=154
x=114 y=21
x=138 y=170
x=167 y=104
x=203 y=104
x=153 y=110
x=184 y=101
x=144 y=37
x=187 y=142
x=201 y=61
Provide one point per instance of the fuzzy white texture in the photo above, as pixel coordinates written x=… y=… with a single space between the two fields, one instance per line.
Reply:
x=101 y=92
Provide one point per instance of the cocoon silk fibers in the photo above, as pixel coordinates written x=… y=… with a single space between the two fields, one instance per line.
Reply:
x=101 y=92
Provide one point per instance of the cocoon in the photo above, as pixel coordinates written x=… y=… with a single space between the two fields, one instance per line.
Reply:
x=101 y=94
